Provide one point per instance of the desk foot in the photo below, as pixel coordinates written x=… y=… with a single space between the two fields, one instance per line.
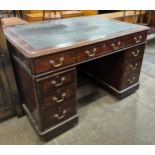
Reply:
x=59 y=130
x=54 y=131
x=120 y=94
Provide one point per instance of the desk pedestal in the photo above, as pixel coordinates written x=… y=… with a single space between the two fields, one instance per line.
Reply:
x=118 y=73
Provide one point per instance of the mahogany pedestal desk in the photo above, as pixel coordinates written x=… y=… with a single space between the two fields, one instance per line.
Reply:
x=45 y=56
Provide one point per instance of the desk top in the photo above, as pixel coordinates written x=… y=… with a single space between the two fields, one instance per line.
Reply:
x=40 y=38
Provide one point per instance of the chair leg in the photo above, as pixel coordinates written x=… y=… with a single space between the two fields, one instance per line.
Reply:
x=53 y=14
x=61 y=14
x=43 y=14
x=14 y=13
x=8 y=12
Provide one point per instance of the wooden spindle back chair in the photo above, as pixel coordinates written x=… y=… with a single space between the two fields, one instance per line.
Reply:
x=138 y=17
x=52 y=14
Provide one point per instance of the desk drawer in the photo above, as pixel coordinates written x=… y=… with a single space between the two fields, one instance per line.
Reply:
x=134 y=39
x=54 y=115
x=55 y=81
x=88 y=52
x=134 y=53
x=123 y=42
x=59 y=96
x=52 y=62
x=130 y=78
x=131 y=72
x=133 y=65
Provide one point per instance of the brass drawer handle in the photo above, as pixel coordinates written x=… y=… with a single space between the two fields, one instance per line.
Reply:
x=53 y=82
x=61 y=116
x=116 y=46
x=138 y=39
x=91 y=54
x=59 y=100
x=135 y=53
x=131 y=80
x=133 y=67
x=57 y=65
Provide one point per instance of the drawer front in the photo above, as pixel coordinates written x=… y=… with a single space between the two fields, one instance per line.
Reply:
x=112 y=45
x=52 y=62
x=54 y=115
x=59 y=97
x=88 y=52
x=133 y=65
x=134 y=53
x=130 y=78
x=124 y=41
x=98 y=49
x=55 y=81
x=136 y=38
